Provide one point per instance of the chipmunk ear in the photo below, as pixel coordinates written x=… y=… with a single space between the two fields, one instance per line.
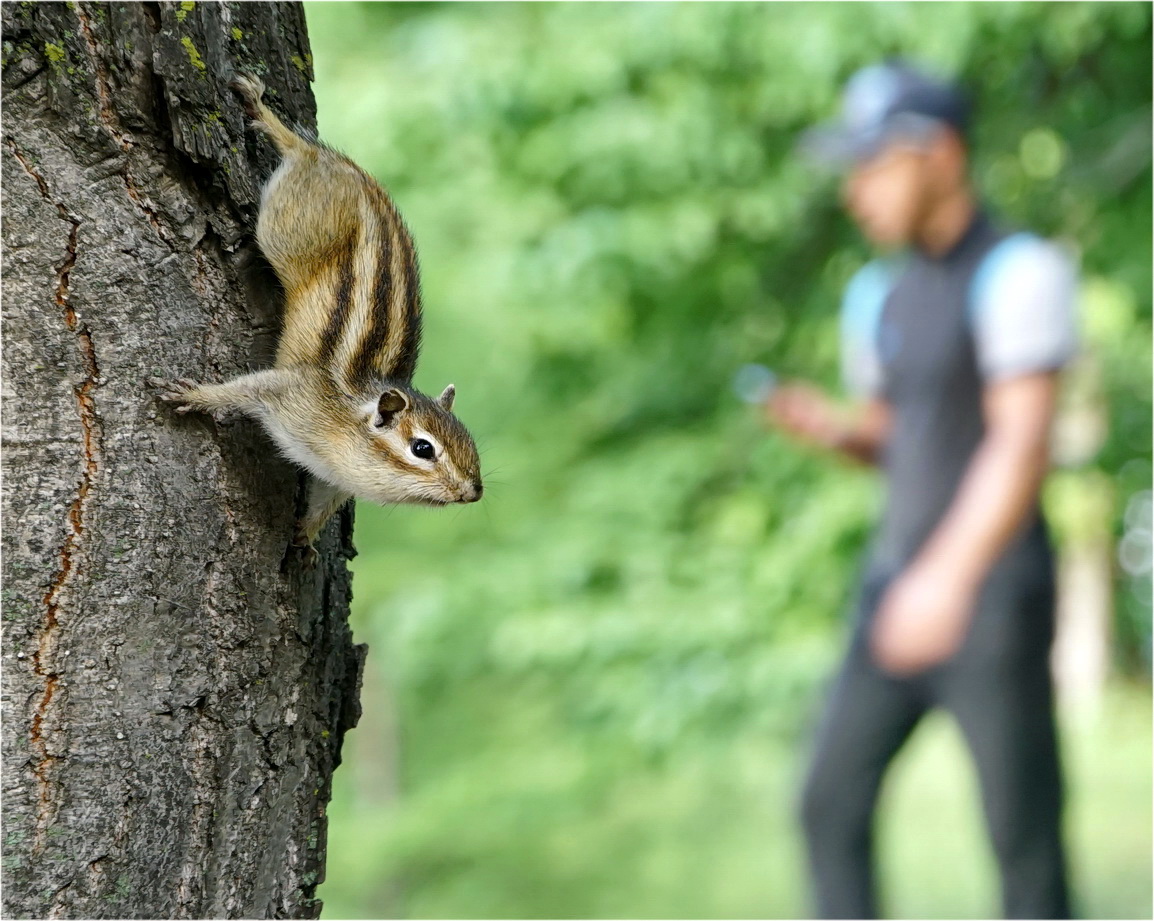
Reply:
x=446 y=398
x=392 y=402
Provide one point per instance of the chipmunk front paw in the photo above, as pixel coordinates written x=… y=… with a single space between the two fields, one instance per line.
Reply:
x=178 y=392
x=187 y=396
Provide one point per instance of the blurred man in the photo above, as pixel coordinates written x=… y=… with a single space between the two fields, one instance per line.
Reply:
x=951 y=346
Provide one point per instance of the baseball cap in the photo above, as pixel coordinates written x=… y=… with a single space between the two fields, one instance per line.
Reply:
x=885 y=103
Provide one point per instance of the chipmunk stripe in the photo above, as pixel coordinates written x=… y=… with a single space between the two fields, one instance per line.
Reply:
x=404 y=349
x=363 y=368
x=358 y=328
x=341 y=310
x=367 y=363
x=389 y=347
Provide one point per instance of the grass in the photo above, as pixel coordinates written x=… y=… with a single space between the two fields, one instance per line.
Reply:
x=714 y=836
x=937 y=862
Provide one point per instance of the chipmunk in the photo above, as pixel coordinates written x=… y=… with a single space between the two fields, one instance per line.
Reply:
x=338 y=400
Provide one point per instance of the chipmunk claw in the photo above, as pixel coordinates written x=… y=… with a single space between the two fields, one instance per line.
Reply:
x=302 y=543
x=182 y=394
x=250 y=89
x=175 y=391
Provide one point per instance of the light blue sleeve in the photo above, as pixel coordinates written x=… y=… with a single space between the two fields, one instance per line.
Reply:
x=1023 y=308
x=861 y=313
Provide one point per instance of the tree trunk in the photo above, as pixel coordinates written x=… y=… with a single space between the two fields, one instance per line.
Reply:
x=176 y=685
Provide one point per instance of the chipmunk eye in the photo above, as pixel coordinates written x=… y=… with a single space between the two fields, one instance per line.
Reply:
x=422 y=449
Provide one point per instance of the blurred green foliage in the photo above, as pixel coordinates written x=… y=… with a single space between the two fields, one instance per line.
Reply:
x=589 y=695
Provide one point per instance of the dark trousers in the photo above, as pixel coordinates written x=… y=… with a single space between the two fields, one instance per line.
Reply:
x=998 y=689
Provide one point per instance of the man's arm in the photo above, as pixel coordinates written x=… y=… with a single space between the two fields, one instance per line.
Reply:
x=806 y=413
x=1003 y=478
x=924 y=615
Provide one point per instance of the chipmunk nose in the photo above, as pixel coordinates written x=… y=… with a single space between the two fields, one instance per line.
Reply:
x=471 y=492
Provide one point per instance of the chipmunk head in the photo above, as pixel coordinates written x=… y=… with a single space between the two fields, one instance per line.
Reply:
x=427 y=456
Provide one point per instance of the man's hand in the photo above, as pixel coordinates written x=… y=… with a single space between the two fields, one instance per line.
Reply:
x=922 y=619
x=805 y=412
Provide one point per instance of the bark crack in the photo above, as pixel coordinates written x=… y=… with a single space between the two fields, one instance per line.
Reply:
x=24 y=81
x=192 y=885
x=45 y=762
x=111 y=122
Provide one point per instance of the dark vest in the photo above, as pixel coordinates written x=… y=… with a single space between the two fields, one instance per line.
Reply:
x=931 y=380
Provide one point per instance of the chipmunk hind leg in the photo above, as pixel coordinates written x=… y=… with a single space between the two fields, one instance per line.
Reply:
x=324 y=499
x=308 y=220
x=251 y=91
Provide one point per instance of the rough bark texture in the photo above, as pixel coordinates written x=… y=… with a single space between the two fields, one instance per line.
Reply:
x=175 y=685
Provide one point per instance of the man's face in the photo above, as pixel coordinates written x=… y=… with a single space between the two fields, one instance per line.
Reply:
x=888 y=194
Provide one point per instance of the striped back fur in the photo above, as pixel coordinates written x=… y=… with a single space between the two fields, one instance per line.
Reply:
x=373 y=331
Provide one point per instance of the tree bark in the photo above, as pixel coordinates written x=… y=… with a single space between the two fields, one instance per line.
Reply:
x=176 y=685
